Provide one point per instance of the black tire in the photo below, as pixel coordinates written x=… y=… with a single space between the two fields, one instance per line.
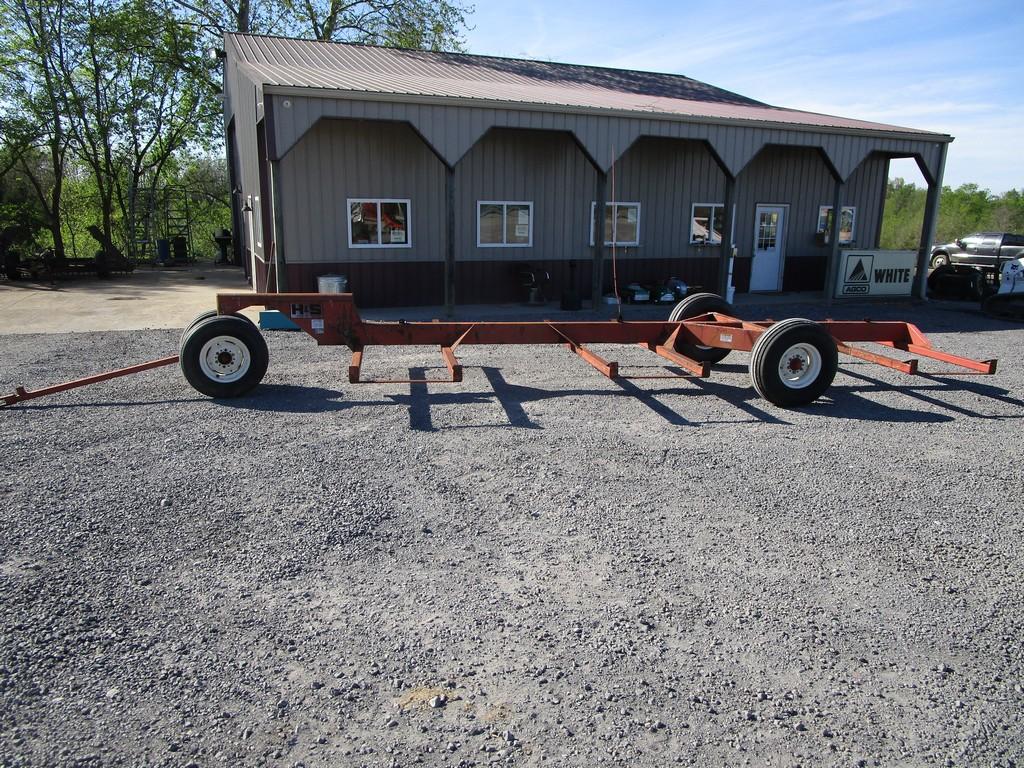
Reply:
x=195 y=321
x=692 y=306
x=224 y=356
x=976 y=286
x=802 y=347
x=940 y=260
x=206 y=316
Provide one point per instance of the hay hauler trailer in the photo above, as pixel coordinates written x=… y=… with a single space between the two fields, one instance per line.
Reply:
x=792 y=363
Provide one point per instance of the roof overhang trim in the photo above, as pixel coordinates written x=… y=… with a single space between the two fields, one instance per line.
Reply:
x=311 y=91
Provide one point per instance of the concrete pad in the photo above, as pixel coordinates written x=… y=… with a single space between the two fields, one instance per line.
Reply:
x=146 y=298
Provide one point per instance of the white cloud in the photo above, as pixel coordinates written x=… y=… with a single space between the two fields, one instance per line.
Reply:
x=913 y=63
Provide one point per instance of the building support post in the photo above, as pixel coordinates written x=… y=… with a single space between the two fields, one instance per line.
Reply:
x=597 y=272
x=275 y=212
x=449 y=244
x=832 y=268
x=931 y=218
x=728 y=236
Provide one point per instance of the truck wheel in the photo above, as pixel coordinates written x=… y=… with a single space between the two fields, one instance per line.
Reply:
x=224 y=356
x=196 y=321
x=976 y=286
x=793 y=362
x=939 y=260
x=206 y=316
x=693 y=306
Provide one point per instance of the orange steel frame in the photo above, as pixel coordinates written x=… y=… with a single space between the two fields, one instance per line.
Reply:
x=332 y=319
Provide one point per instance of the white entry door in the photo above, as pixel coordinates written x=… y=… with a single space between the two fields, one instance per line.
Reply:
x=769 y=241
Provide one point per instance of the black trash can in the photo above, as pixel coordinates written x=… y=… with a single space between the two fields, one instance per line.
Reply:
x=180 y=247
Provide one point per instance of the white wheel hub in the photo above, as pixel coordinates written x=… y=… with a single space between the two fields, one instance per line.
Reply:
x=800 y=366
x=224 y=359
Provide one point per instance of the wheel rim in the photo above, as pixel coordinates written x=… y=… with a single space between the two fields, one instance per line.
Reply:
x=224 y=359
x=800 y=366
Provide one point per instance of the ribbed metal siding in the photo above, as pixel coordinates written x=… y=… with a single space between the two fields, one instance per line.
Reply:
x=667 y=176
x=342 y=159
x=800 y=178
x=543 y=167
x=242 y=98
x=452 y=131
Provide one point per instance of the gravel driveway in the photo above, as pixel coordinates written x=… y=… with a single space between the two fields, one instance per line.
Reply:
x=537 y=566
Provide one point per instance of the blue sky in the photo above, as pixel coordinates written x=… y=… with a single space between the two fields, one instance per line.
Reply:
x=952 y=67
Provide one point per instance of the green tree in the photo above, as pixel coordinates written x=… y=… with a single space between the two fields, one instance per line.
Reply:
x=21 y=214
x=133 y=94
x=34 y=124
x=965 y=209
x=903 y=216
x=1008 y=215
x=429 y=24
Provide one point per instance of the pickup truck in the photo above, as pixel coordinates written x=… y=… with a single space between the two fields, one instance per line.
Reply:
x=980 y=249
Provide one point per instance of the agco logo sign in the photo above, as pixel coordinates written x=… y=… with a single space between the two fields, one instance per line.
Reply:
x=875 y=273
x=858 y=276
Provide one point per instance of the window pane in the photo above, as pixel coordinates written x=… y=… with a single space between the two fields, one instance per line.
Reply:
x=517 y=225
x=626 y=223
x=607 y=224
x=717 y=216
x=490 y=224
x=700 y=226
x=767 y=229
x=364 y=223
x=394 y=226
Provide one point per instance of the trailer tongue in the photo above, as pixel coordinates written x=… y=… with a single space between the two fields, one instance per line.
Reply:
x=792 y=363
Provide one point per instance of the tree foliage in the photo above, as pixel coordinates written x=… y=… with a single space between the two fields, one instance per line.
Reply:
x=105 y=105
x=429 y=24
x=962 y=210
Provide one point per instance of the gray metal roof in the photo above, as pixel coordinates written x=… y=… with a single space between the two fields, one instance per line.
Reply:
x=276 y=61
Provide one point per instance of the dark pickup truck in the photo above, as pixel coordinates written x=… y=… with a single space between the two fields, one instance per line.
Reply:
x=980 y=249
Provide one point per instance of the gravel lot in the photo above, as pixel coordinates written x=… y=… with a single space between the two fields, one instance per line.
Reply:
x=536 y=566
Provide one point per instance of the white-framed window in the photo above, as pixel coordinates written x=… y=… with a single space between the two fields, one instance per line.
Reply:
x=621 y=223
x=379 y=223
x=504 y=224
x=706 y=221
x=846 y=222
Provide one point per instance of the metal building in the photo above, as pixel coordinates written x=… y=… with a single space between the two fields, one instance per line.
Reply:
x=430 y=178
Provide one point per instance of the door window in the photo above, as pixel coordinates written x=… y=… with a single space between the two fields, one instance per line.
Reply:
x=767 y=230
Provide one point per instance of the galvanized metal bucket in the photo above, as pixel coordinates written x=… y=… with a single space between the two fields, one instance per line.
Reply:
x=332 y=284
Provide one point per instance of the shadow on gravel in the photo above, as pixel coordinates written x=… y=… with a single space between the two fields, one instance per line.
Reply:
x=288 y=398
x=846 y=401
x=512 y=397
x=926 y=393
